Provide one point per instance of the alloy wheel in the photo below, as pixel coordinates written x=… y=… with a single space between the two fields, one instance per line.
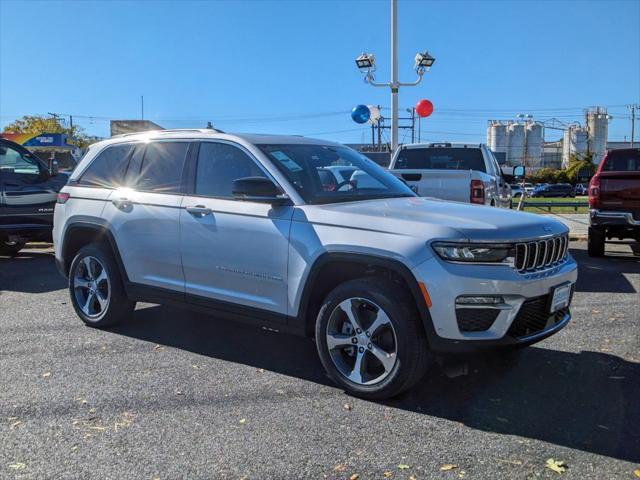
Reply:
x=361 y=341
x=91 y=287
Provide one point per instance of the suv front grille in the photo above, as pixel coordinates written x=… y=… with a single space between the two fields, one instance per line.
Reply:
x=541 y=254
x=533 y=317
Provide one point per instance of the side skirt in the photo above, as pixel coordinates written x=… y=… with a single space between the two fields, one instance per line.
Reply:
x=265 y=319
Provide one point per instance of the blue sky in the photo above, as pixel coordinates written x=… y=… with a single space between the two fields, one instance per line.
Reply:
x=288 y=66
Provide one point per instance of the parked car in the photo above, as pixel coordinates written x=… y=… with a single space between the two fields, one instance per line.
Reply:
x=28 y=190
x=528 y=188
x=516 y=190
x=581 y=189
x=452 y=171
x=614 y=200
x=243 y=226
x=554 y=190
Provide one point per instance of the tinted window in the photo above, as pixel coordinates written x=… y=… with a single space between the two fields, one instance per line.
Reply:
x=443 y=158
x=12 y=161
x=162 y=165
x=622 y=162
x=219 y=164
x=310 y=168
x=108 y=168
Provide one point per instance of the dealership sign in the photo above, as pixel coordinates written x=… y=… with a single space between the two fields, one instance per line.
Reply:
x=59 y=140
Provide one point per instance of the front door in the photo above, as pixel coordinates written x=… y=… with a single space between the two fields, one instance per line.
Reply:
x=232 y=251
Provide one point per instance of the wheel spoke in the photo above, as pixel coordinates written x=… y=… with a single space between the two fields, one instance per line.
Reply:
x=350 y=308
x=79 y=282
x=87 y=266
x=380 y=321
x=356 y=374
x=386 y=359
x=88 y=305
x=102 y=300
x=337 y=340
x=102 y=277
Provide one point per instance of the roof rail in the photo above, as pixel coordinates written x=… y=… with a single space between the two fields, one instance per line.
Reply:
x=171 y=130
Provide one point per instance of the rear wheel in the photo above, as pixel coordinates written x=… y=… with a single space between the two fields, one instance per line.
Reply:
x=370 y=338
x=596 y=240
x=96 y=288
x=10 y=248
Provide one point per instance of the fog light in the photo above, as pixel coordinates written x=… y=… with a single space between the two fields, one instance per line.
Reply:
x=483 y=300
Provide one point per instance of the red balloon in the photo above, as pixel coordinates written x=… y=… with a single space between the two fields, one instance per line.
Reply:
x=424 y=108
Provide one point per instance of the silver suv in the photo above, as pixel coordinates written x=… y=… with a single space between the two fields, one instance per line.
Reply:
x=248 y=227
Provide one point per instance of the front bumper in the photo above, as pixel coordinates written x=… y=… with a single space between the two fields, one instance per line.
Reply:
x=612 y=218
x=445 y=282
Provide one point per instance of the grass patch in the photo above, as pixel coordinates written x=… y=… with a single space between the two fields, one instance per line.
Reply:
x=555 y=205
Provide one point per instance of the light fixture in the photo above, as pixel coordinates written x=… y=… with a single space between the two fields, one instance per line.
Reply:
x=424 y=61
x=366 y=62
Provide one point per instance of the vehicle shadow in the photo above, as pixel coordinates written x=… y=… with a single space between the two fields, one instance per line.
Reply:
x=605 y=274
x=30 y=271
x=586 y=401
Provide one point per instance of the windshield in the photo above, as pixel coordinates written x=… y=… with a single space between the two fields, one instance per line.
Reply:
x=441 y=158
x=329 y=174
x=622 y=161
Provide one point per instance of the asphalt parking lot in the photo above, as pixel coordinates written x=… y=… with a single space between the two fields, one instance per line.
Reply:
x=180 y=395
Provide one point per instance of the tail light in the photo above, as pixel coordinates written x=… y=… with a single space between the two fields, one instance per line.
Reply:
x=62 y=197
x=476 y=193
x=594 y=192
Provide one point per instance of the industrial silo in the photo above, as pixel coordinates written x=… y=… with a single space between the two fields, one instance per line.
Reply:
x=515 y=133
x=598 y=128
x=497 y=137
x=535 y=144
x=575 y=142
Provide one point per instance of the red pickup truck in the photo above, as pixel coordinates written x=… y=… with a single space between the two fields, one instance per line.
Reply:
x=614 y=199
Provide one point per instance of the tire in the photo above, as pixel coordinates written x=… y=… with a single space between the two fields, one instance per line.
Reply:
x=10 y=248
x=595 y=244
x=399 y=333
x=95 y=273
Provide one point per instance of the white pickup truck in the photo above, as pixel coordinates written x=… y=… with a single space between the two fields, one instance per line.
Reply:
x=459 y=172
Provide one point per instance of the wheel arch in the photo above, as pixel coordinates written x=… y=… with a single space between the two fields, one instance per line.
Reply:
x=333 y=268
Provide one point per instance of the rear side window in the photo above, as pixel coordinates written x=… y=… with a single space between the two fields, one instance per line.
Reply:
x=162 y=165
x=622 y=162
x=108 y=169
x=446 y=158
x=219 y=164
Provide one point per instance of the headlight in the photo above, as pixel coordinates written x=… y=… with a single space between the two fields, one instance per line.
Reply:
x=476 y=253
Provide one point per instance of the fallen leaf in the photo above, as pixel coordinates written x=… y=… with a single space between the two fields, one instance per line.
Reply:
x=636 y=472
x=402 y=466
x=556 y=465
x=17 y=466
x=448 y=466
x=242 y=421
x=346 y=406
x=339 y=468
x=413 y=477
x=387 y=474
x=158 y=347
x=355 y=476
x=46 y=374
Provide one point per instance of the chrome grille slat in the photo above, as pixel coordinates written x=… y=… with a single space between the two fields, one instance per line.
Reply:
x=541 y=254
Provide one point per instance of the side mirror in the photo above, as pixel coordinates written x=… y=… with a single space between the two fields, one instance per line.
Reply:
x=258 y=189
x=519 y=171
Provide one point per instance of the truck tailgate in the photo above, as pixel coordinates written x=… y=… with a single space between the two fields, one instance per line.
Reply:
x=444 y=184
x=620 y=191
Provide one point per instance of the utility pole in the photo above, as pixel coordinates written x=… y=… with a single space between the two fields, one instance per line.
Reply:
x=633 y=108
x=142 y=106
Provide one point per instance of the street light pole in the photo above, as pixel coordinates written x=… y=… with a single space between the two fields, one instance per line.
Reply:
x=394 y=75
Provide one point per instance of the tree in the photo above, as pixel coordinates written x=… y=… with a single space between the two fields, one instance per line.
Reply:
x=583 y=163
x=37 y=124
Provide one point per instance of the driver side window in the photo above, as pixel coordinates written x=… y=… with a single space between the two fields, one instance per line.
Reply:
x=13 y=162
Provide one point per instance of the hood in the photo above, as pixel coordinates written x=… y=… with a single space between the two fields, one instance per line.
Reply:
x=434 y=219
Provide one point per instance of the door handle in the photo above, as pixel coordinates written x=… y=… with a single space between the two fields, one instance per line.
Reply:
x=198 y=210
x=122 y=203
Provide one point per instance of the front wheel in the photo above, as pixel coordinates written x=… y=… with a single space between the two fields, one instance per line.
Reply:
x=96 y=288
x=370 y=338
x=10 y=248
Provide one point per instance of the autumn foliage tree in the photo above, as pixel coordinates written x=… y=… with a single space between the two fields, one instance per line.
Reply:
x=38 y=124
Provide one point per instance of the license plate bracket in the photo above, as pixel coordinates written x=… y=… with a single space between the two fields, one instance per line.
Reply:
x=560 y=297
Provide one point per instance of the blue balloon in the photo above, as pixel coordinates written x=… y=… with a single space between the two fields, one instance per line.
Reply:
x=360 y=114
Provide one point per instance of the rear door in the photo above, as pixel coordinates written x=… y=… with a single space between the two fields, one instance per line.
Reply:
x=620 y=182
x=144 y=216
x=28 y=192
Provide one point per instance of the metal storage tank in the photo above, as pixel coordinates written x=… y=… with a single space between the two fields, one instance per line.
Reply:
x=497 y=137
x=598 y=127
x=574 y=142
x=515 y=155
x=535 y=143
